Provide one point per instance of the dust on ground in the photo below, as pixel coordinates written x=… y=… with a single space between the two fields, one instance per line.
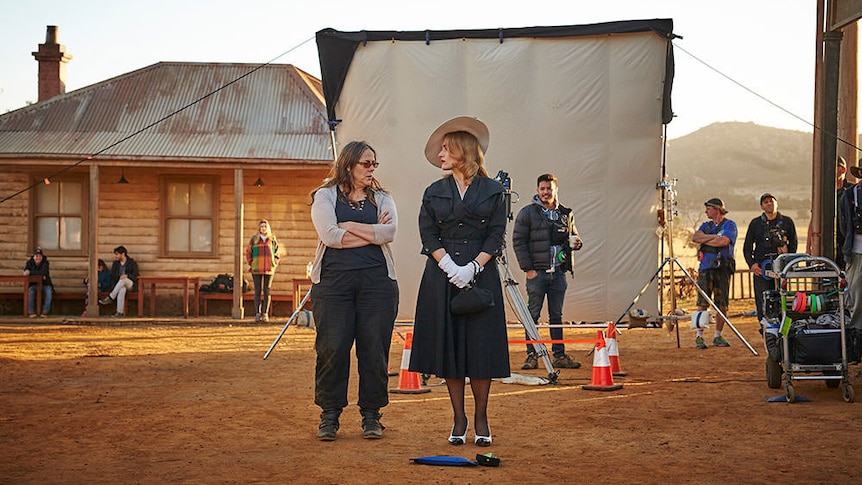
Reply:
x=196 y=403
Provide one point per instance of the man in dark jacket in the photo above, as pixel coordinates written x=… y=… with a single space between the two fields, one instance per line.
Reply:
x=850 y=221
x=768 y=235
x=841 y=184
x=543 y=239
x=124 y=277
x=37 y=265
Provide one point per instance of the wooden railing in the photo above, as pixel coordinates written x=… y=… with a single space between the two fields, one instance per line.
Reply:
x=741 y=284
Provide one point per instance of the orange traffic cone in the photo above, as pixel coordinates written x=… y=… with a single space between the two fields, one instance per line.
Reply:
x=602 y=380
x=613 y=350
x=408 y=382
x=389 y=370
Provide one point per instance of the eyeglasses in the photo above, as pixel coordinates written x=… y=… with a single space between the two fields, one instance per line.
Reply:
x=368 y=165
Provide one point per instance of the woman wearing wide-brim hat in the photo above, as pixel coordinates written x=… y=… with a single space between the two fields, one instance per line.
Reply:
x=462 y=222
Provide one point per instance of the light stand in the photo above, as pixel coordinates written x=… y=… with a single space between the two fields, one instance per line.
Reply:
x=668 y=188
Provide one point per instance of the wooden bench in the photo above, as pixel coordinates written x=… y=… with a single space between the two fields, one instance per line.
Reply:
x=206 y=297
x=24 y=295
x=71 y=296
x=82 y=295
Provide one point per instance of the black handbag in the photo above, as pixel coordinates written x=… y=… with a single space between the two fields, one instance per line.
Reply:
x=471 y=299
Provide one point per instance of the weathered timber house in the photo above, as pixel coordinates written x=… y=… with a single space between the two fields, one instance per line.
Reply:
x=167 y=161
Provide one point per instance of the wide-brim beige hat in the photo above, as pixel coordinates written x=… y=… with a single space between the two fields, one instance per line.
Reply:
x=461 y=123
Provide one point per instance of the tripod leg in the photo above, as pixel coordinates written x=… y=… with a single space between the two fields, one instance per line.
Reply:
x=523 y=314
x=715 y=307
x=295 y=313
x=640 y=293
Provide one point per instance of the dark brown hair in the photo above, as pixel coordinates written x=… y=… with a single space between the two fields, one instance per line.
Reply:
x=339 y=172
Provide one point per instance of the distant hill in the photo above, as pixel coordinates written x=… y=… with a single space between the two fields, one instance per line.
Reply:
x=737 y=162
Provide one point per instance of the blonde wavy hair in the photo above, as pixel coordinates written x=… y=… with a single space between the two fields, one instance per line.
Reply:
x=464 y=146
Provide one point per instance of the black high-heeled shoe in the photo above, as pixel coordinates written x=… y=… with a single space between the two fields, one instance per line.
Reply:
x=458 y=440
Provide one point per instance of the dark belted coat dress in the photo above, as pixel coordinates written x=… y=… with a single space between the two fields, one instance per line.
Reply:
x=459 y=346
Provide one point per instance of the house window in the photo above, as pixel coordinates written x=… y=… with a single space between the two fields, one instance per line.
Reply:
x=59 y=215
x=190 y=224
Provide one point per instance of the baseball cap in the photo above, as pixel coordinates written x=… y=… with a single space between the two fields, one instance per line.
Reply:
x=717 y=203
x=37 y=251
x=767 y=195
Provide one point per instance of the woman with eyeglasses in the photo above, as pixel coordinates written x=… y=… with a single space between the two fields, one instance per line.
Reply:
x=462 y=222
x=354 y=292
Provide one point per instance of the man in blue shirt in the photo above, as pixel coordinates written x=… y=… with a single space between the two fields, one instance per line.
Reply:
x=716 y=238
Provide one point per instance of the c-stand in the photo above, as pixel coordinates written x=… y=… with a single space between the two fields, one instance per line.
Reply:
x=667 y=215
x=516 y=301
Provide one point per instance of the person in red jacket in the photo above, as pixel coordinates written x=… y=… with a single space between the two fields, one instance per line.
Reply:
x=261 y=254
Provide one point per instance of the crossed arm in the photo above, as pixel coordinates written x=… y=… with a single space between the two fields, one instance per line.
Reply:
x=359 y=234
x=713 y=240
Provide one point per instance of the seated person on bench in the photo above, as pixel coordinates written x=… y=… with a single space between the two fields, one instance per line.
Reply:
x=104 y=275
x=124 y=277
x=38 y=265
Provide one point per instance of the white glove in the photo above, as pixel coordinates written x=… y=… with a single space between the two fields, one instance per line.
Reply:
x=448 y=265
x=463 y=275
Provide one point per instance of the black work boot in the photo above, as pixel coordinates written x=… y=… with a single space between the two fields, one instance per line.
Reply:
x=371 y=427
x=328 y=424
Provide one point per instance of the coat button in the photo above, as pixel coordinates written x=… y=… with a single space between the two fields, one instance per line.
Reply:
x=465 y=241
x=460 y=224
x=457 y=253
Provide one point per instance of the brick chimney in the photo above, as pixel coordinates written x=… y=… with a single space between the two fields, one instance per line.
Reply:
x=52 y=59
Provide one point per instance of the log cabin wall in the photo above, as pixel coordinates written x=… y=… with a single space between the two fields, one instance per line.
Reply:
x=130 y=215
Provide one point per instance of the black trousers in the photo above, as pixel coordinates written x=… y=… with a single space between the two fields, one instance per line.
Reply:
x=262 y=283
x=356 y=306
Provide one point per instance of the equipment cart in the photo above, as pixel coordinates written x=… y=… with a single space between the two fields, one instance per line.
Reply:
x=803 y=324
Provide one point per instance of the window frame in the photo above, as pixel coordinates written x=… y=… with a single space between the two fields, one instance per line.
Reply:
x=164 y=182
x=84 y=180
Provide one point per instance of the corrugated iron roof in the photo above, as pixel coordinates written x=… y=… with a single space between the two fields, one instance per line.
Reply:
x=180 y=111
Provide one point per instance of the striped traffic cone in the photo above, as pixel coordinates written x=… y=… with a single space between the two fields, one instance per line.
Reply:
x=408 y=382
x=613 y=350
x=389 y=370
x=602 y=379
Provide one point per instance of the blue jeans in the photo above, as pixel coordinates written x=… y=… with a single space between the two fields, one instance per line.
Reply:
x=553 y=285
x=48 y=292
x=353 y=306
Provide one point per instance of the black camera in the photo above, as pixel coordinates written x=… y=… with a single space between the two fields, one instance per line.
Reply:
x=776 y=237
x=504 y=179
x=857 y=220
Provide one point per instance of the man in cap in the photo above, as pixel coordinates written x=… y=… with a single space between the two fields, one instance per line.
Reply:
x=841 y=184
x=543 y=238
x=850 y=221
x=38 y=265
x=768 y=235
x=716 y=237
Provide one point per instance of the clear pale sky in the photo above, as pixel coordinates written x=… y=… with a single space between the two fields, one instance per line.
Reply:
x=766 y=46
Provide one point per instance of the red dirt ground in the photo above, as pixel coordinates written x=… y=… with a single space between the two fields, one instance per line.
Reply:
x=196 y=403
